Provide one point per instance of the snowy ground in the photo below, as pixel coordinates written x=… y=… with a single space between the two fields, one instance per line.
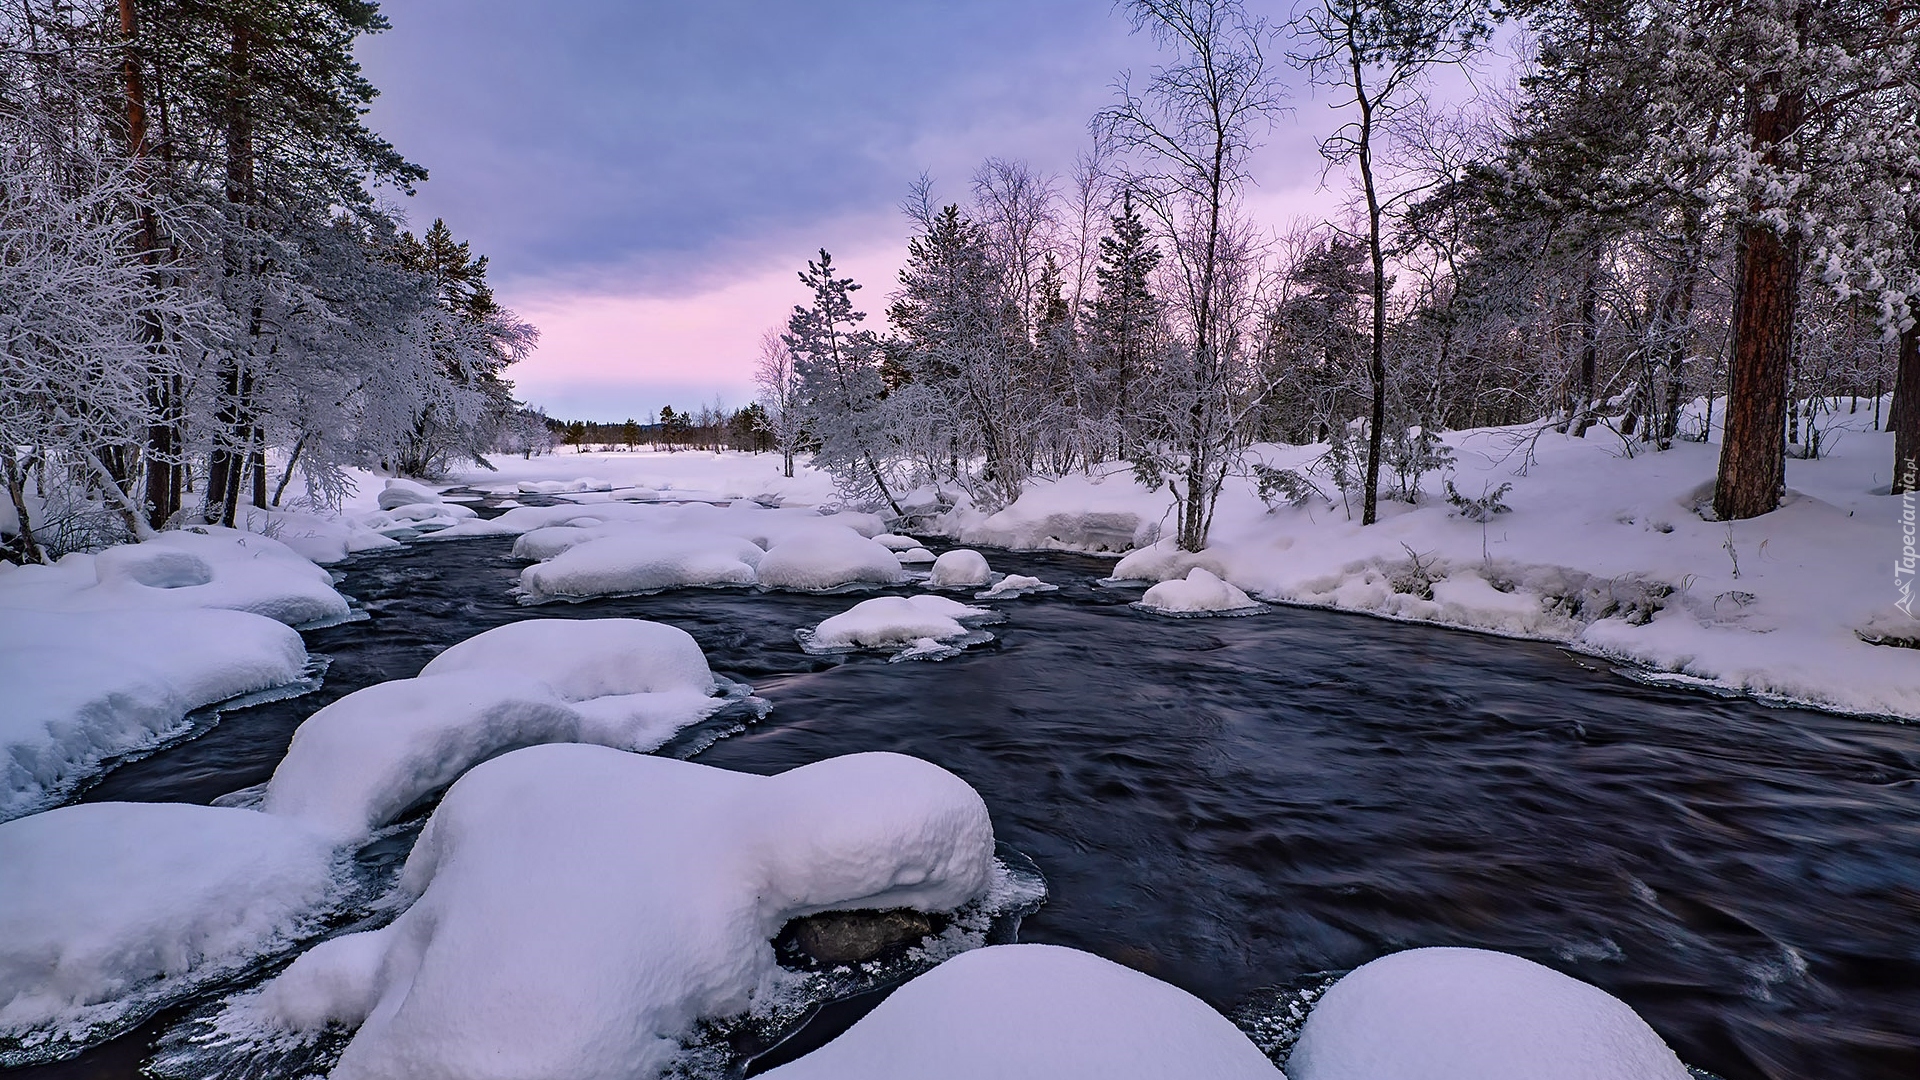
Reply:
x=1605 y=552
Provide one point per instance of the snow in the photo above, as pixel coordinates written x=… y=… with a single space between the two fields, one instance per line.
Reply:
x=134 y=905
x=828 y=558
x=1201 y=592
x=1015 y=585
x=399 y=491
x=1603 y=551
x=1038 y=1012
x=923 y=624
x=1470 y=1014
x=200 y=567
x=583 y=659
x=360 y=762
x=104 y=655
x=575 y=910
x=1091 y=514
x=915 y=556
x=960 y=568
x=83 y=689
x=896 y=542
x=632 y=561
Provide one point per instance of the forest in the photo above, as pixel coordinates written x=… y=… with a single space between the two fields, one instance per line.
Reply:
x=197 y=267
x=1669 y=205
x=1664 y=219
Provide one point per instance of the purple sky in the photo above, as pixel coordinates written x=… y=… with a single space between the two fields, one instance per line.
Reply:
x=649 y=177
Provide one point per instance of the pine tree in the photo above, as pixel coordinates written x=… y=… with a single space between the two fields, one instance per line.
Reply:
x=1122 y=332
x=839 y=369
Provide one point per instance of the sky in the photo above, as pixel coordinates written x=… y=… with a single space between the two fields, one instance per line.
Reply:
x=648 y=178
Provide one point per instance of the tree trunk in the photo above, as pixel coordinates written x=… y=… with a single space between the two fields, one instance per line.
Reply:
x=1589 y=354
x=1905 y=415
x=1753 y=453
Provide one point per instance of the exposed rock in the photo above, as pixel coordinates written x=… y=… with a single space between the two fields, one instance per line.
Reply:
x=836 y=938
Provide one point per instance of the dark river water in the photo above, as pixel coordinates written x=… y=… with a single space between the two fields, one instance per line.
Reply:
x=1241 y=806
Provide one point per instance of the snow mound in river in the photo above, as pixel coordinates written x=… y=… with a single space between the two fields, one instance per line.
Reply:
x=924 y=624
x=1201 y=592
x=960 y=568
x=1037 y=1012
x=361 y=761
x=1472 y=1014
x=575 y=910
x=631 y=561
x=828 y=558
x=112 y=910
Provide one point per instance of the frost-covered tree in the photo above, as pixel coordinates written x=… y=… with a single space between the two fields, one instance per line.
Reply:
x=782 y=405
x=1188 y=132
x=839 y=368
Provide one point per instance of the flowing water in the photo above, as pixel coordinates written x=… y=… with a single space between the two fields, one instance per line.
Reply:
x=1244 y=806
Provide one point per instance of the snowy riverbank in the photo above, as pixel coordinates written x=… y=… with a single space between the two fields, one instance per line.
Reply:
x=1604 y=551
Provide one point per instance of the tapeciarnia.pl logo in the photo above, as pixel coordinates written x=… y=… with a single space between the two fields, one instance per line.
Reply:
x=1904 y=566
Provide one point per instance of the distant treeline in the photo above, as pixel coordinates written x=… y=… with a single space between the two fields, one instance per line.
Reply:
x=710 y=427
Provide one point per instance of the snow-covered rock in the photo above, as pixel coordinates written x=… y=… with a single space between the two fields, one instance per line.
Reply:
x=582 y=659
x=828 y=557
x=562 y=487
x=915 y=556
x=1037 y=1012
x=896 y=542
x=112 y=910
x=922 y=624
x=1199 y=593
x=634 y=561
x=961 y=568
x=625 y=683
x=399 y=492
x=1015 y=585
x=82 y=689
x=575 y=909
x=359 y=762
x=1471 y=1014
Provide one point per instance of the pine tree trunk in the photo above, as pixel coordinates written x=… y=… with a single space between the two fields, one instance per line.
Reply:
x=1905 y=415
x=1753 y=453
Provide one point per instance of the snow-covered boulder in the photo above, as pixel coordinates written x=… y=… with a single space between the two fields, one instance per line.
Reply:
x=828 y=557
x=400 y=492
x=111 y=911
x=361 y=761
x=1015 y=585
x=575 y=910
x=200 y=567
x=637 y=561
x=583 y=659
x=82 y=689
x=1199 y=593
x=961 y=568
x=1472 y=1014
x=1037 y=1012
x=896 y=542
x=915 y=556
x=923 y=624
